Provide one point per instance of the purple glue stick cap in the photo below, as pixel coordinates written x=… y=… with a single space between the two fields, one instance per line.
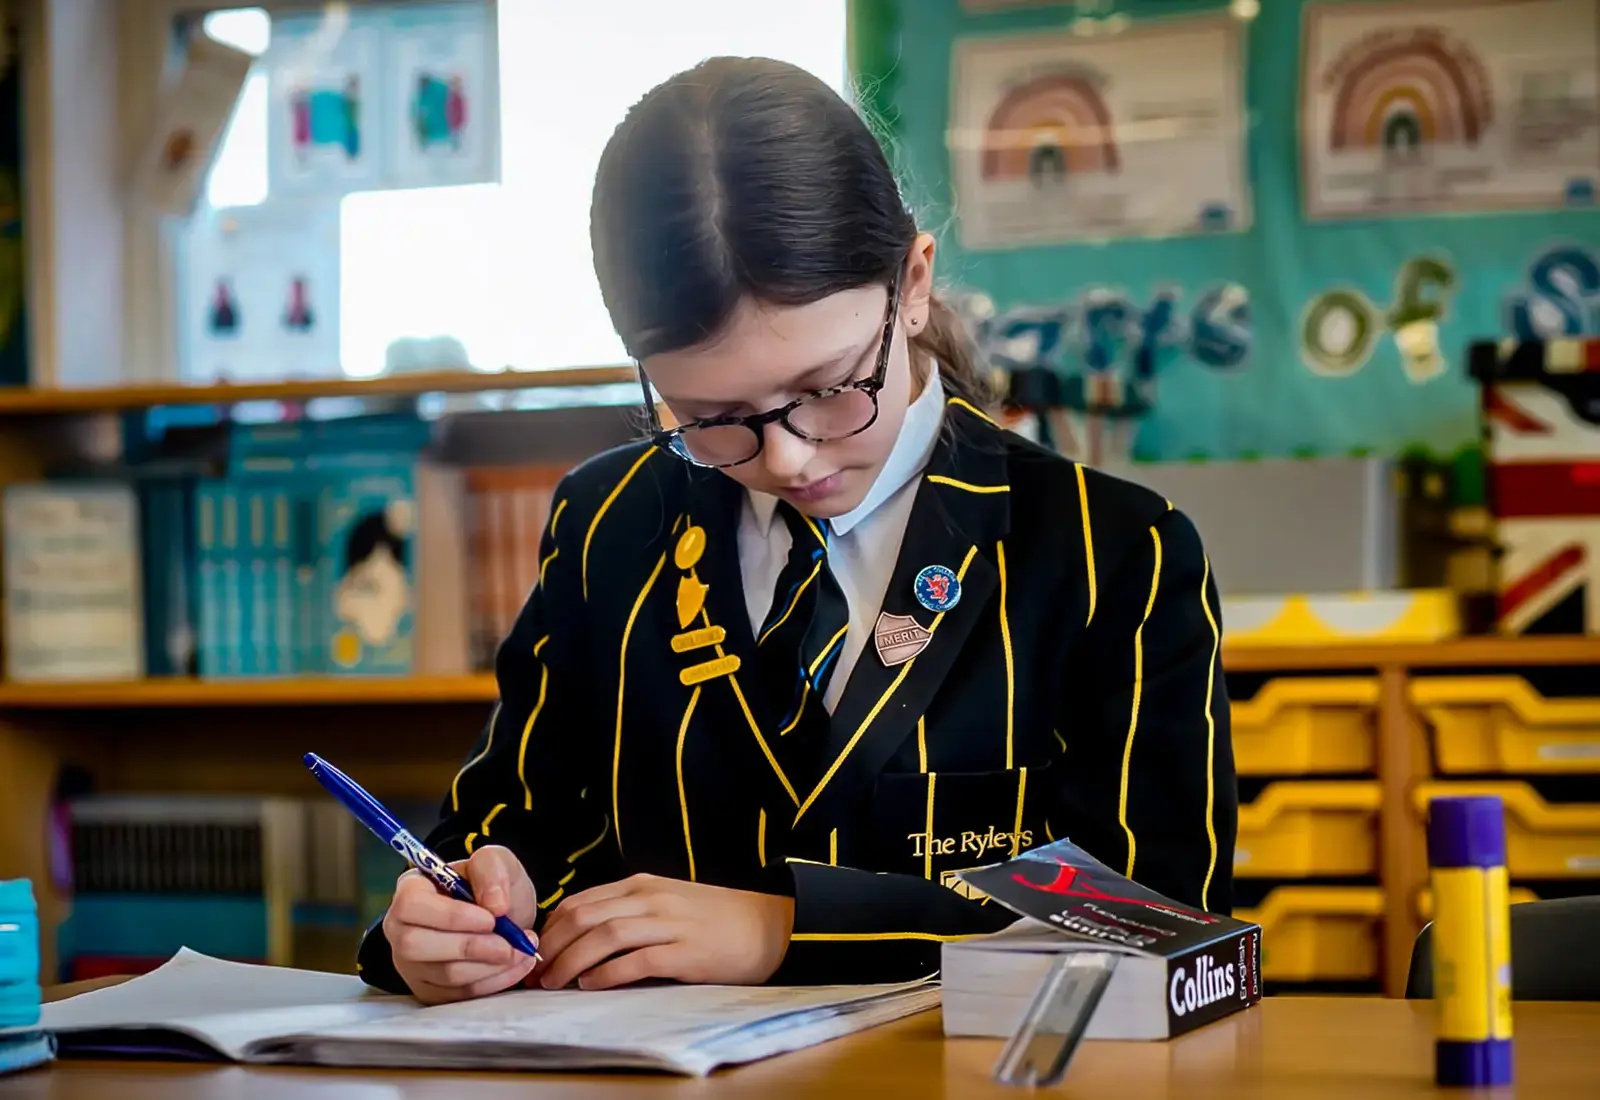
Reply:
x=1466 y=831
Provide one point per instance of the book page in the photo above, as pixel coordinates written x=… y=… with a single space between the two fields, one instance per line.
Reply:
x=685 y=1028
x=276 y=1014
x=668 y=1015
x=227 y=1004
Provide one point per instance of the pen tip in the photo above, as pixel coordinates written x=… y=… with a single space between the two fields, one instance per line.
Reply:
x=310 y=759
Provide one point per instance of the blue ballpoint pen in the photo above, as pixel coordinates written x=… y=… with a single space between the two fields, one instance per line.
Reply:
x=371 y=813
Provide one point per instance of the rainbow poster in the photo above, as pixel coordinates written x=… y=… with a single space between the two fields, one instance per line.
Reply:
x=1415 y=107
x=1055 y=137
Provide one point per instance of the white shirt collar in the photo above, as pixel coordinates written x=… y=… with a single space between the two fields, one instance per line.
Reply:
x=919 y=433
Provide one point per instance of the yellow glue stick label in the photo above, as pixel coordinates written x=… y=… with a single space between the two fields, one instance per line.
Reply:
x=1472 y=953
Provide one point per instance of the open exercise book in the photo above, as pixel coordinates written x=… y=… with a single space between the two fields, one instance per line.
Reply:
x=198 y=1007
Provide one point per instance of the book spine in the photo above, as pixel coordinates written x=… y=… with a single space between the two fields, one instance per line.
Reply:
x=1213 y=980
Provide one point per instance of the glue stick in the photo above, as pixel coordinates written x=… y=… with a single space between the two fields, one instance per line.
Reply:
x=1471 y=941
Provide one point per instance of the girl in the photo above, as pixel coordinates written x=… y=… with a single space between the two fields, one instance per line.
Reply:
x=792 y=664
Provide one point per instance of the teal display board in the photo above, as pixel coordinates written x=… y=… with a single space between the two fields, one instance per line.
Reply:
x=1278 y=340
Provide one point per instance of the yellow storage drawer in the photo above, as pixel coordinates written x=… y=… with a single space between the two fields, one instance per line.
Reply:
x=1295 y=829
x=1489 y=724
x=1543 y=840
x=1305 y=725
x=1319 y=933
x=1517 y=895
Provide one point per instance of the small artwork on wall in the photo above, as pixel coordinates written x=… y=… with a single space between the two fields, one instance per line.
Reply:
x=323 y=93
x=1058 y=138
x=1467 y=106
x=445 y=122
x=260 y=294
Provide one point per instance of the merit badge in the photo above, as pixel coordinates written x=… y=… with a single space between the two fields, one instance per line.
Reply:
x=898 y=638
x=691 y=598
x=937 y=588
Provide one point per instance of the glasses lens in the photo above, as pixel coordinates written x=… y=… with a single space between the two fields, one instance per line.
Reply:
x=723 y=445
x=835 y=416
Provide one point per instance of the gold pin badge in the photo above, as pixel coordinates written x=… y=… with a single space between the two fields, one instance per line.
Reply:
x=691 y=598
x=709 y=670
x=691 y=544
x=898 y=638
x=698 y=639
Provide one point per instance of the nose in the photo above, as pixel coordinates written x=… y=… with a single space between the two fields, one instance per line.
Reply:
x=785 y=454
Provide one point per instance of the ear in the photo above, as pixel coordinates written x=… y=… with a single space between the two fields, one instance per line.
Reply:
x=916 y=287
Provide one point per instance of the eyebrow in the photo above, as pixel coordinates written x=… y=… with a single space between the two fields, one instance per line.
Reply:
x=818 y=376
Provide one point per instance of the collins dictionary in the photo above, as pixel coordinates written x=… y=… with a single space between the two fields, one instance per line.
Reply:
x=1177 y=967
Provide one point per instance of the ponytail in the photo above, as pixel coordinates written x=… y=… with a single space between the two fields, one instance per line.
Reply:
x=947 y=343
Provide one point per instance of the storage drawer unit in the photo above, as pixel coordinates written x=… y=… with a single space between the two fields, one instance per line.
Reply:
x=1306 y=725
x=1543 y=840
x=1319 y=933
x=1299 y=829
x=1486 y=724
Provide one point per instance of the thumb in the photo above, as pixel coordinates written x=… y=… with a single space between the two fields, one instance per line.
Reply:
x=488 y=872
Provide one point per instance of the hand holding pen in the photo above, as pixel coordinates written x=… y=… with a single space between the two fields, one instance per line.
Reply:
x=455 y=930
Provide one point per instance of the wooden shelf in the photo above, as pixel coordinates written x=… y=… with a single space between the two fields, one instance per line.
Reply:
x=27 y=401
x=1460 y=653
x=480 y=688
x=308 y=691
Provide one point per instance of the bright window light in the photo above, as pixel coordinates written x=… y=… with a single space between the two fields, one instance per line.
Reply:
x=506 y=269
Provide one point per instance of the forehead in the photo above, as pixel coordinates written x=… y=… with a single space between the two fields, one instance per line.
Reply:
x=763 y=346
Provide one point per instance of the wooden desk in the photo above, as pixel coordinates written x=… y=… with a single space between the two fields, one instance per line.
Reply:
x=1288 y=1048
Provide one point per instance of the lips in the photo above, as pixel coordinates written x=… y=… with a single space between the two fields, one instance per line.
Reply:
x=812 y=490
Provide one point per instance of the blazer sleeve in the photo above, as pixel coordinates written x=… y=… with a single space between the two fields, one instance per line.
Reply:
x=522 y=785
x=863 y=926
x=1149 y=781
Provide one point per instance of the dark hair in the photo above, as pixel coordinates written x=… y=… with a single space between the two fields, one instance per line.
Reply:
x=370 y=532
x=748 y=177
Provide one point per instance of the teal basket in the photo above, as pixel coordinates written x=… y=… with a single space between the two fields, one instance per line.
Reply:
x=19 y=954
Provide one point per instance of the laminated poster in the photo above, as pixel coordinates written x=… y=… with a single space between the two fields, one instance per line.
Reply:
x=323 y=95
x=441 y=67
x=260 y=293
x=1056 y=137
x=1464 y=107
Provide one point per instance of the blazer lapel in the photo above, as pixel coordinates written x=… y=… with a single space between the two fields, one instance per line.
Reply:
x=737 y=715
x=962 y=509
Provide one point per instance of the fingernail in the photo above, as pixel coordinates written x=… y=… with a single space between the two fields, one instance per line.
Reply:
x=493 y=898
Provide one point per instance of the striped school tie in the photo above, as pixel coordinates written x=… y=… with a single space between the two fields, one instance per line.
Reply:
x=800 y=641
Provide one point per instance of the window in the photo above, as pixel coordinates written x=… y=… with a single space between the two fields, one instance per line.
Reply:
x=502 y=269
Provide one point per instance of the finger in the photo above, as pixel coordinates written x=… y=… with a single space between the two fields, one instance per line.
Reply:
x=428 y=945
x=660 y=961
x=559 y=934
x=438 y=984
x=599 y=944
x=622 y=887
x=490 y=871
x=469 y=975
x=416 y=901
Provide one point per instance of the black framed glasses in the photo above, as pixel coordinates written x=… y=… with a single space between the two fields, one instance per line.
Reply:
x=822 y=416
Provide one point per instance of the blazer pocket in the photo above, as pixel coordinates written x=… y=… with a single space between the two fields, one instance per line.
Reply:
x=938 y=823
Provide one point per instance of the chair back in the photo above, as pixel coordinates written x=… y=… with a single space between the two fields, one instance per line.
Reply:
x=1555 y=952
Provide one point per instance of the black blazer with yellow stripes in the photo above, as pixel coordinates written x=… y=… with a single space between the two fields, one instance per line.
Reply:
x=1074 y=690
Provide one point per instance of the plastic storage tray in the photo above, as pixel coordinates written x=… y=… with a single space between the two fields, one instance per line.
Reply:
x=1306 y=725
x=1299 y=829
x=1543 y=840
x=1486 y=724
x=1319 y=933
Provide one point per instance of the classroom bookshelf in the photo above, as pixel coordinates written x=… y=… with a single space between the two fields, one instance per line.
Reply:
x=405 y=736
